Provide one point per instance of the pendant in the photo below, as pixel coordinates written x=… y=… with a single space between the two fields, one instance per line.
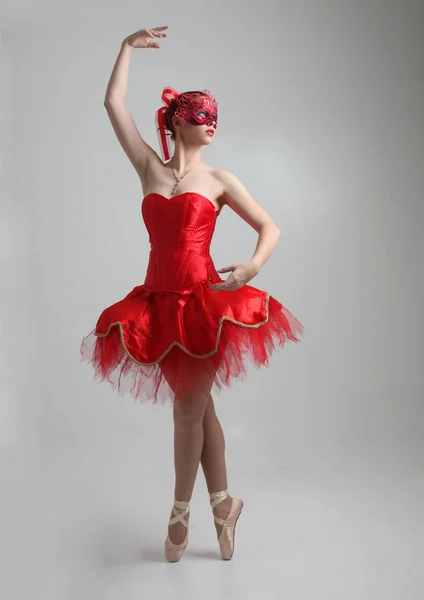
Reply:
x=178 y=180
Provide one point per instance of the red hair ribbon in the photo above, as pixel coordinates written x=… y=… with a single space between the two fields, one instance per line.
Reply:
x=168 y=94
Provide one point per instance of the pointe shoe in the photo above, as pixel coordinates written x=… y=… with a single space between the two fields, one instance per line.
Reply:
x=174 y=552
x=226 y=538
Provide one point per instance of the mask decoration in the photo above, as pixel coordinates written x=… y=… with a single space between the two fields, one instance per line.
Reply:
x=193 y=108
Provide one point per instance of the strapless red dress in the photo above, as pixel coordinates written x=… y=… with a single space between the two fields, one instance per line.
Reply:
x=172 y=336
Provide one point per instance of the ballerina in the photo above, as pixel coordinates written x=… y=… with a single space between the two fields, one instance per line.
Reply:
x=185 y=330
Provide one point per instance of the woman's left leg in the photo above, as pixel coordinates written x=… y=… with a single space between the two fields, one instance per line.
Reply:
x=213 y=460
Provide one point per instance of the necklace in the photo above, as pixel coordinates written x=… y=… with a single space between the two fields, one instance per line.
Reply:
x=179 y=179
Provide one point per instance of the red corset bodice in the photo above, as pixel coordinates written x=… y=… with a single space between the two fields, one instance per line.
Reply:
x=180 y=233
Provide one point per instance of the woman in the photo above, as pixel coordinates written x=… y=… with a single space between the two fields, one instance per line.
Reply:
x=186 y=329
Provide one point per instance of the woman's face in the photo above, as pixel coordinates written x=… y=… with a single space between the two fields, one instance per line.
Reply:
x=198 y=121
x=199 y=133
x=205 y=115
x=197 y=109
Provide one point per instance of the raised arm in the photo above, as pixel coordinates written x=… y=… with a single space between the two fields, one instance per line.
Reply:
x=138 y=151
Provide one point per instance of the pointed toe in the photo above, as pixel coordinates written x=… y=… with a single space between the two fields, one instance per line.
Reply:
x=226 y=538
x=174 y=552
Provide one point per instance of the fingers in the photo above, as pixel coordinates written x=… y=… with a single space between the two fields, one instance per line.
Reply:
x=158 y=31
x=155 y=32
x=223 y=287
x=226 y=269
x=215 y=287
x=227 y=285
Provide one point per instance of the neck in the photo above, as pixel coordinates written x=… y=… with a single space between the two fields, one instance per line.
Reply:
x=185 y=157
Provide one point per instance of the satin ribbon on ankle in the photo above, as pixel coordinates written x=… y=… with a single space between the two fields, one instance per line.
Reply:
x=218 y=497
x=183 y=506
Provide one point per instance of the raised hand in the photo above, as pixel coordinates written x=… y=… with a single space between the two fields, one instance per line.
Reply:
x=143 y=38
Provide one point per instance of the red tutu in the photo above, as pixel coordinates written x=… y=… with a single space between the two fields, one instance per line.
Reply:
x=174 y=336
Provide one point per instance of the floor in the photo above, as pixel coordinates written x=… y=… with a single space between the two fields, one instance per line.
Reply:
x=356 y=534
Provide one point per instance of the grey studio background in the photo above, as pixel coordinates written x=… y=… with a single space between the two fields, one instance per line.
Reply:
x=321 y=116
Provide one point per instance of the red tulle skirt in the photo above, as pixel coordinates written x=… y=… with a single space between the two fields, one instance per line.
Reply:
x=166 y=346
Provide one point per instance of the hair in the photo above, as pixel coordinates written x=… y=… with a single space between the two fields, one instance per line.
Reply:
x=171 y=110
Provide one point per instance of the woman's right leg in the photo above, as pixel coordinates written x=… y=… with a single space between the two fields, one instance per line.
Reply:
x=188 y=417
x=198 y=439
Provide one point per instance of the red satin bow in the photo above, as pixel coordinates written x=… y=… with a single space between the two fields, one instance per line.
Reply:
x=183 y=295
x=168 y=94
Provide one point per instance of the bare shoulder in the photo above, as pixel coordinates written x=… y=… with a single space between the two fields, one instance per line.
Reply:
x=224 y=176
x=237 y=197
x=233 y=189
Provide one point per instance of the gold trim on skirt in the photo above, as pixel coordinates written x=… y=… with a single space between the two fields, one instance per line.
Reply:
x=175 y=343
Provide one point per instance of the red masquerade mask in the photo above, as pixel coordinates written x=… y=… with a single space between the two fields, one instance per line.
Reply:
x=194 y=108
